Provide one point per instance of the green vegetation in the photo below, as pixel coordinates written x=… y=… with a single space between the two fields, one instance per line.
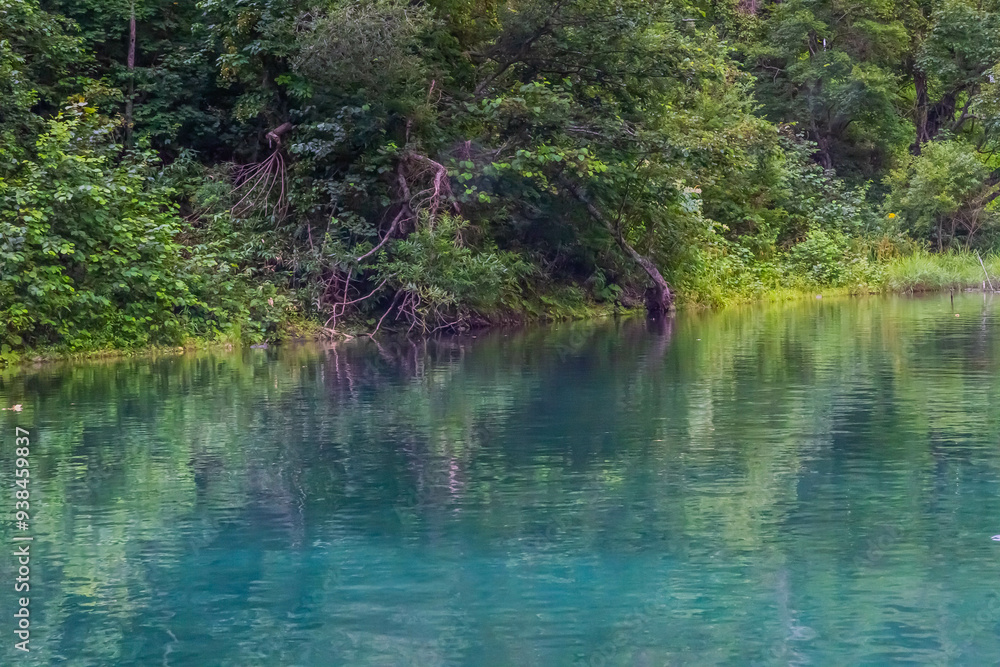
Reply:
x=214 y=170
x=923 y=272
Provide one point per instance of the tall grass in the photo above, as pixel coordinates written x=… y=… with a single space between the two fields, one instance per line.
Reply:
x=866 y=270
x=925 y=272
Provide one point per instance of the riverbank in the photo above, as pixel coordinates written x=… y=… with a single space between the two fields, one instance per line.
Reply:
x=911 y=273
x=914 y=273
x=535 y=312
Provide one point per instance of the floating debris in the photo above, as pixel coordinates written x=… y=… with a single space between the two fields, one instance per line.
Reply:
x=15 y=408
x=995 y=538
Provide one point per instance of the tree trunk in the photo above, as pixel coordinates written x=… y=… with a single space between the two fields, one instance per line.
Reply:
x=131 y=75
x=930 y=118
x=941 y=114
x=920 y=120
x=823 y=151
x=659 y=298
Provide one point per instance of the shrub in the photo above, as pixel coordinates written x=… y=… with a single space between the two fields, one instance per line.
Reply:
x=820 y=257
x=942 y=195
x=89 y=255
x=439 y=279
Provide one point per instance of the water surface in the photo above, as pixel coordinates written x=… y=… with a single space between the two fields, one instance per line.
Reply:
x=808 y=483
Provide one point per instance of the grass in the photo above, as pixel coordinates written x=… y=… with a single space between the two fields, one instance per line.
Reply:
x=910 y=271
x=926 y=272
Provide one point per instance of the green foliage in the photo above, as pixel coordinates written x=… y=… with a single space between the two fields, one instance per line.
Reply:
x=90 y=249
x=36 y=54
x=942 y=195
x=439 y=277
x=923 y=271
x=820 y=258
x=294 y=164
x=90 y=255
x=834 y=73
x=962 y=44
x=369 y=50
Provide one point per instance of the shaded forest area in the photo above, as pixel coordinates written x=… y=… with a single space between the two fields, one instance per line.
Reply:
x=176 y=171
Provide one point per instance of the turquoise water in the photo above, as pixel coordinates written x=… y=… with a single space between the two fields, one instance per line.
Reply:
x=814 y=483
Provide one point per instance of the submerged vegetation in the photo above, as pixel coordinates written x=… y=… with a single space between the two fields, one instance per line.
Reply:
x=212 y=169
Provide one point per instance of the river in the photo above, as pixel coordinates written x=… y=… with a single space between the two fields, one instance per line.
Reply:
x=816 y=482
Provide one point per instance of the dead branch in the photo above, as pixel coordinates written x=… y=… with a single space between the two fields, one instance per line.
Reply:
x=423 y=186
x=277 y=133
x=344 y=304
x=385 y=314
x=388 y=235
x=256 y=182
x=437 y=192
x=414 y=167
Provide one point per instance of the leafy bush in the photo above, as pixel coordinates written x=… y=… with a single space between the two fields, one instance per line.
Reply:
x=89 y=255
x=834 y=259
x=439 y=279
x=820 y=258
x=942 y=195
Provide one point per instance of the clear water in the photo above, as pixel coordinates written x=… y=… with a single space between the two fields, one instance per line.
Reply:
x=814 y=483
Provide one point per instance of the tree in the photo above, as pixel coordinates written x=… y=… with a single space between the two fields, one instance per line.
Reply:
x=834 y=71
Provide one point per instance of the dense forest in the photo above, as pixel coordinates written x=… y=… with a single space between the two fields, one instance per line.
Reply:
x=255 y=169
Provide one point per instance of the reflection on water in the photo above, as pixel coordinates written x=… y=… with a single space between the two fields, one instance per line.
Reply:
x=814 y=483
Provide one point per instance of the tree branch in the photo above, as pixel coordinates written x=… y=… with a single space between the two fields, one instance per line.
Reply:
x=662 y=297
